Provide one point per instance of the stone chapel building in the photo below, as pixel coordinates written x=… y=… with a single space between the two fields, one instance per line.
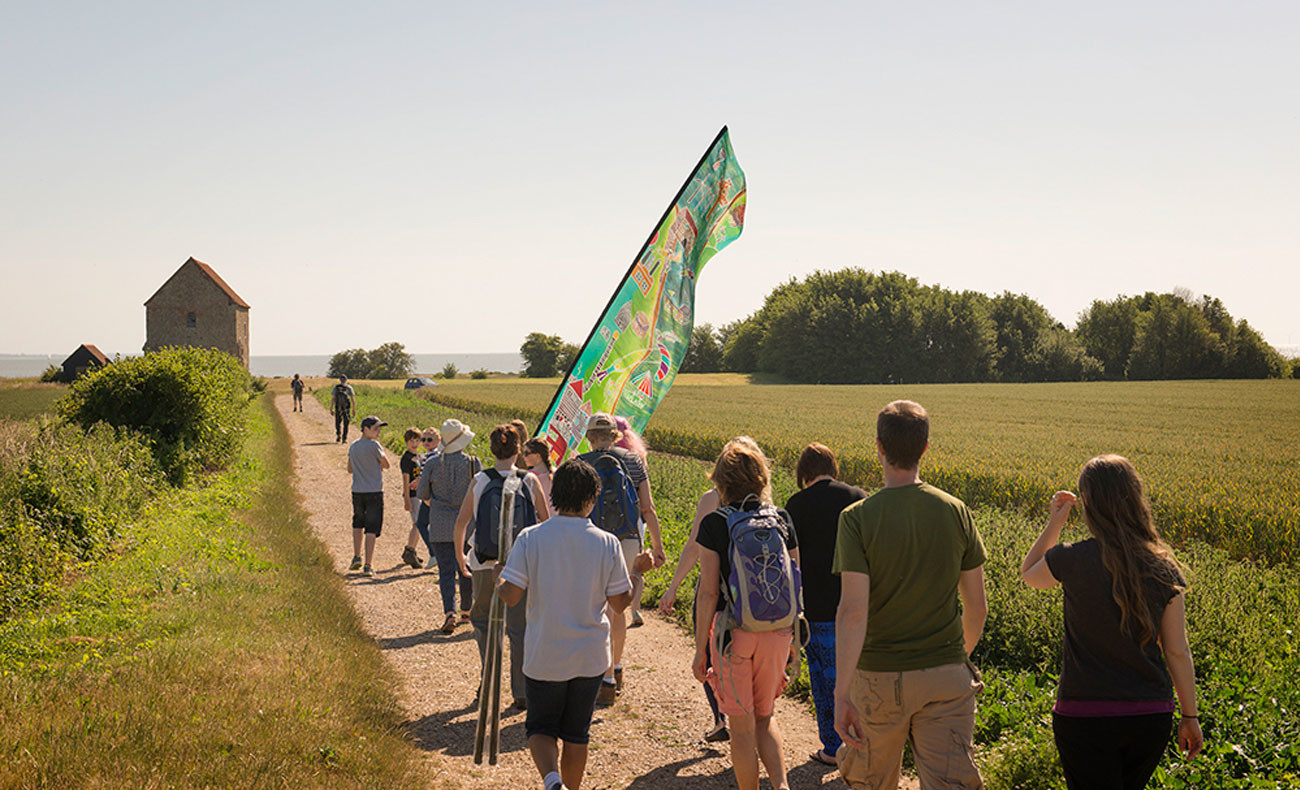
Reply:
x=195 y=307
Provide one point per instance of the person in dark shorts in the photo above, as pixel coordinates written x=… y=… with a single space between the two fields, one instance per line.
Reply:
x=342 y=401
x=366 y=463
x=297 y=386
x=573 y=571
x=409 y=463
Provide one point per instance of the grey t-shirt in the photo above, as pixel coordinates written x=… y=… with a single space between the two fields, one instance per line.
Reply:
x=367 y=474
x=570 y=566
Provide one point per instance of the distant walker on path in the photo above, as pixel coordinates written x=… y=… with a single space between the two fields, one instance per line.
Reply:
x=297 y=386
x=342 y=401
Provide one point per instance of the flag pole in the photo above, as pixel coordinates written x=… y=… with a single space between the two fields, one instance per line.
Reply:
x=572 y=365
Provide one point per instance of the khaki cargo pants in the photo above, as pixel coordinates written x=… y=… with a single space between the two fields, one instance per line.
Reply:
x=933 y=708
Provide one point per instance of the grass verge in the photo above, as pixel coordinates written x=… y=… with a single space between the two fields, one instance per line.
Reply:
x=218 y=648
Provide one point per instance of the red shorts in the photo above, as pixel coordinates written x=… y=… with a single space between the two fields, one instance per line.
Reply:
x=748 y=679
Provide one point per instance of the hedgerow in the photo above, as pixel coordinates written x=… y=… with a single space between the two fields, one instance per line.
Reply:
x=186 y=402
x=65 y=495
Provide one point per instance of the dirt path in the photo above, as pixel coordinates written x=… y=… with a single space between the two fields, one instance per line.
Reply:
x=651 y=738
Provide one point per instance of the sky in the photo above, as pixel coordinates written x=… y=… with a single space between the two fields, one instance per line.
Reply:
x=453 y=176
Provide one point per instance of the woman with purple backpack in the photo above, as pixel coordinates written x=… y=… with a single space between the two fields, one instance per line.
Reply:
x=752 y=651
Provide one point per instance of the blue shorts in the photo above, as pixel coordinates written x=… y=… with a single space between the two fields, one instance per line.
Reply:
x=561 y=708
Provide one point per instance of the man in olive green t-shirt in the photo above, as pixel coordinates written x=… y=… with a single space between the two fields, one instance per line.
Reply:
x=905 y=554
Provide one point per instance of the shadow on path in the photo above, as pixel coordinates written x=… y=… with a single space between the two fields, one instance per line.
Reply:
x=669 y=775
x=441 y=732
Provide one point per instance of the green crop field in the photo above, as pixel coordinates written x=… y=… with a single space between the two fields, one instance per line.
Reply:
x=1221 y=458
x=1241 y=615
x=21 y=401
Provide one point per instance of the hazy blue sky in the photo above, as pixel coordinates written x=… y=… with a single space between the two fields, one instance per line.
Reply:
x=453 y=176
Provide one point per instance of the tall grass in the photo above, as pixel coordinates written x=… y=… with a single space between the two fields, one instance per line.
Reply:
x=218 y=649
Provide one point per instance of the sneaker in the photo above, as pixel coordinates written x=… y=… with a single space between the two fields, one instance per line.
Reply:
x=607 y=694
x=556 y=786
x=408 y=556
x=618 y=679
x=366 y=570
x=449 y=624
x=431 y=563
x=464 y=619
x=356 y=564
x=718 y=733
x=637 y=622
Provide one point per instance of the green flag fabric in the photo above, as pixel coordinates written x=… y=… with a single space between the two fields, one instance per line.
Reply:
x=632 y=355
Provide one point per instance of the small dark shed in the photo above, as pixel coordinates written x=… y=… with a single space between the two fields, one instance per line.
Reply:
x=85 y=359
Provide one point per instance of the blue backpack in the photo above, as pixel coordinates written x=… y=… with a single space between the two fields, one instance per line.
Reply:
x=487 y=522
x=764 y=588
x=617 y=508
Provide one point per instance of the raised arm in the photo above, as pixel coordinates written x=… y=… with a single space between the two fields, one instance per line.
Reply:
x=1178 y=655
x=1034 y=570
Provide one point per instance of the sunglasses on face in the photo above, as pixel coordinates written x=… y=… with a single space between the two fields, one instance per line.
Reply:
x=428 y=441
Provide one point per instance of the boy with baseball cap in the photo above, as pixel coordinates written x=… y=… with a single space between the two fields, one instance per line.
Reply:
x=366 y=463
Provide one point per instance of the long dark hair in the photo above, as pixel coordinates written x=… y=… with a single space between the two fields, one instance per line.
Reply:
x=1118 y=515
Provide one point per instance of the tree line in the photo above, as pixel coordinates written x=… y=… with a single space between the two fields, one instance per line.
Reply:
x=854 y=326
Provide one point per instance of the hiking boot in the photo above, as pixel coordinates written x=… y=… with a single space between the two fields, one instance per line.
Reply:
x=618 y=679
x=637 y=622
x=449 y=624
x=519 y=703
x=607 y=694
x=366 y=570
x=408 y=556
x=356 y=564
x=718 y=733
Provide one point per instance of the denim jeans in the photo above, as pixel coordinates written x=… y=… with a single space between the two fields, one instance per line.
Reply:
x=821 y=676
x=448 y=576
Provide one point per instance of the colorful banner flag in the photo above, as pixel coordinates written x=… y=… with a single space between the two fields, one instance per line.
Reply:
x=631 y=357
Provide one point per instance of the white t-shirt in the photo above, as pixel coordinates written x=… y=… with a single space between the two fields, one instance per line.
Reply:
x=569 y=566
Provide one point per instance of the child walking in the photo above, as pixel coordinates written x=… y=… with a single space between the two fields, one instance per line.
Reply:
x=749 y=665
x=366 y=463
x=573 y=571
x=1124 y=608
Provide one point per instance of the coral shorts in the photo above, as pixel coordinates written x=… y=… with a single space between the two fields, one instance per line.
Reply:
x=749 y=676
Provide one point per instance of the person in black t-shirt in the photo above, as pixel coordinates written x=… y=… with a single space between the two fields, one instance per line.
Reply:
x=1124 y=607
x=815 y=509
x=342 y=402
x=410 y=466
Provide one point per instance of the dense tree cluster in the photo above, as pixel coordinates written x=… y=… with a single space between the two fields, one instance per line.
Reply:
x=389 y=361
x=854 y=326
x=546 y=355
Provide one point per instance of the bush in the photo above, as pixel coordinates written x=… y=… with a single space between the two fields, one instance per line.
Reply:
x=449 y=370
x=52 y=375
x=187 y=403
x=64 y=496
x=478 y=374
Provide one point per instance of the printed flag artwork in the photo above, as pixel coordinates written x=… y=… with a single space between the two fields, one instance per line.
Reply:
x=632 y=355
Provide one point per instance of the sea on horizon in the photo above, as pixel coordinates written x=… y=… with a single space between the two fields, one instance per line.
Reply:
x=270 y=366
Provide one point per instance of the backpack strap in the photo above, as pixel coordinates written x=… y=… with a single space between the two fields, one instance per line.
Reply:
x=493 y=474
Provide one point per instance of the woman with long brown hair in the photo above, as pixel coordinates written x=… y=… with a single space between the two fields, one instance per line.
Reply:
x=1124 y=607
